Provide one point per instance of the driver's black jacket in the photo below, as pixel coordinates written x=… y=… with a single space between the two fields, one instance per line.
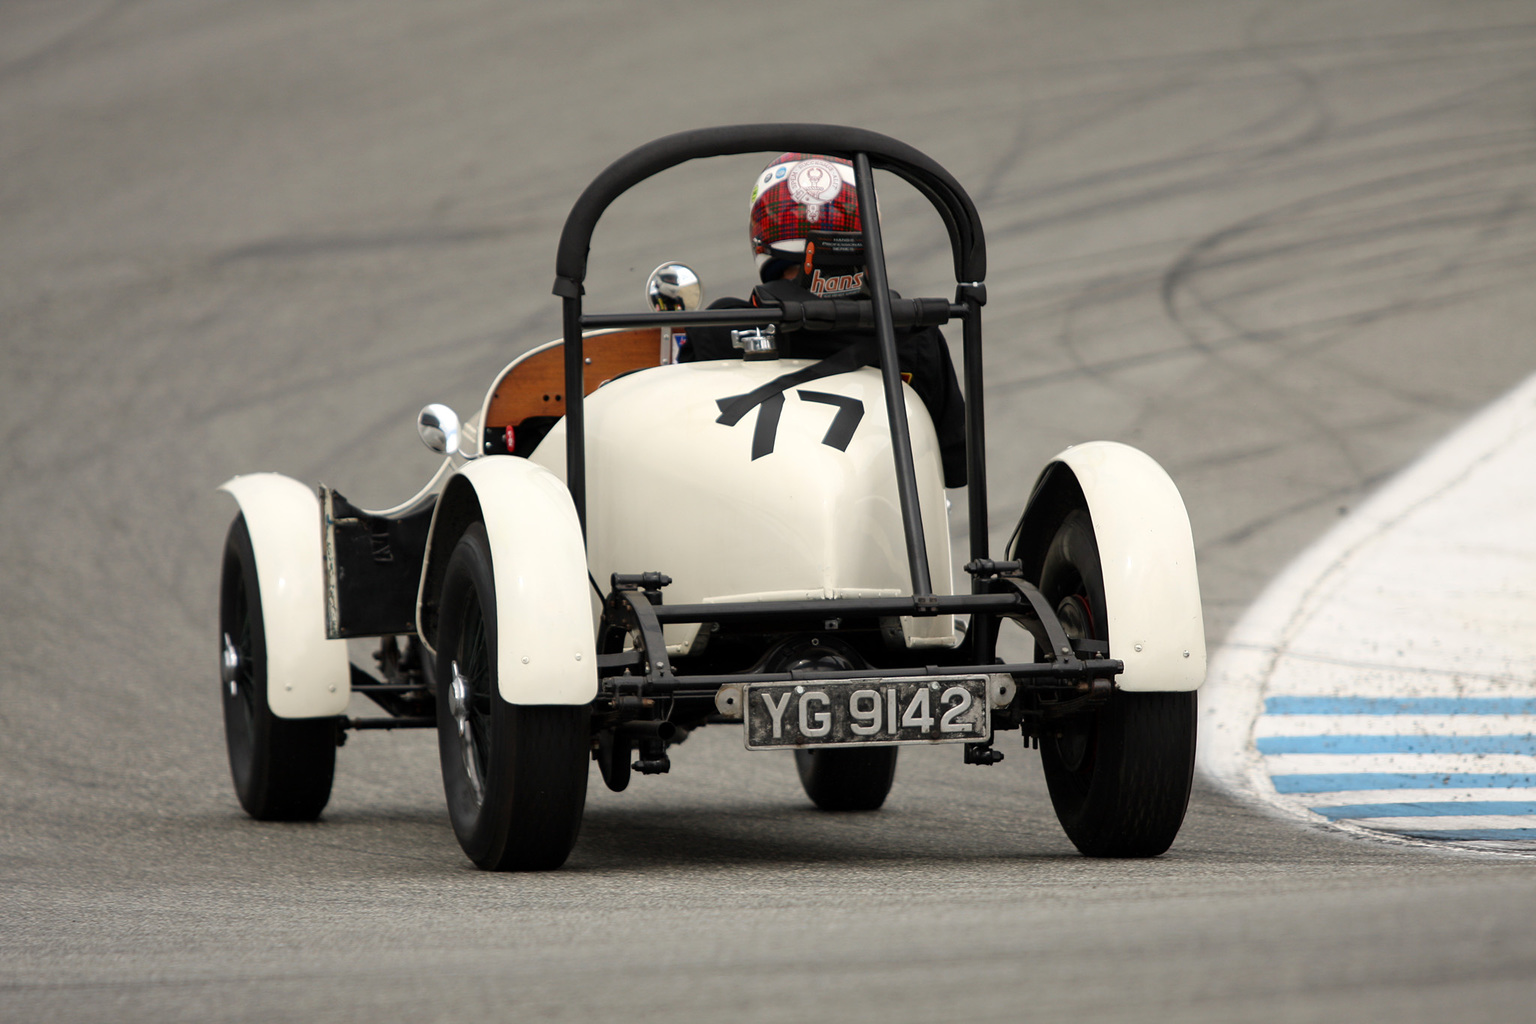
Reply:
x=921 y=352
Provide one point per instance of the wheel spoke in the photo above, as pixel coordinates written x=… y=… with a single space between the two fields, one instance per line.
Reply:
x=474 y=652
x=472 y=672
x=470 y=752
x=469 y=744
x=244 y=676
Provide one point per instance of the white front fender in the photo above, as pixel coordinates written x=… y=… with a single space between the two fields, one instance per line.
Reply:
x=546 y=647
x=1151 y=589
x=308 y=676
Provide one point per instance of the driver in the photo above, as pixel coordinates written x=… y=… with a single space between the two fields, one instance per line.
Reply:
x=806 y=236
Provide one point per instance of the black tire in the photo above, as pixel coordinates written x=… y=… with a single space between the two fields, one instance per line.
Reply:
x=282 y=767
x=847 y=778
x=1119 y=776
x=515 y=775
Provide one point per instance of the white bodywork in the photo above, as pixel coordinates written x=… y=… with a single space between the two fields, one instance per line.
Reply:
x=1151 y=590
x=308 y=676
x=546 y=645
x=671 y=489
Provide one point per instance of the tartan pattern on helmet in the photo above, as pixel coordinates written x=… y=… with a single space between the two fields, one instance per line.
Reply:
x=778 y=219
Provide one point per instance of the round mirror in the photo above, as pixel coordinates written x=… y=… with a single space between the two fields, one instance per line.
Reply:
x=674 y=286
x=438 y=426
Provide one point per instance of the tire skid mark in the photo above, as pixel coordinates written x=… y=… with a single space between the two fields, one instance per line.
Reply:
x=1415 y=289
x=1414 y=209
x=1251 y=156
x=1437 y=43
x=1199 y=260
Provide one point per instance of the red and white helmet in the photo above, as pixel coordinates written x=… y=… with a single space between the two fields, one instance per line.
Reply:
x=796 y=194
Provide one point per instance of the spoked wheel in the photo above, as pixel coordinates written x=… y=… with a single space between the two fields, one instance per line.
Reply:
x=282 y=767
x=842 y=778
x=1119 y=776
x=515 y=775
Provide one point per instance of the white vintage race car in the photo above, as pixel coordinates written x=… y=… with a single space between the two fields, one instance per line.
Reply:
x=619 y=549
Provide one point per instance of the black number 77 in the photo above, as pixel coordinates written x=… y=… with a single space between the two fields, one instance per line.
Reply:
x=849 y=412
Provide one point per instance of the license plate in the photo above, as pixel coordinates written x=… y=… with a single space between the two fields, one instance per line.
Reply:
x=851 y=712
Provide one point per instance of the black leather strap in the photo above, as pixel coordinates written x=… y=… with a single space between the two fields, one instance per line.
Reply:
x=842 y=361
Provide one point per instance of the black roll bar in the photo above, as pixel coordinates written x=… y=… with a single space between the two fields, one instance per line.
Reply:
x=885 y=153
x=867 y=151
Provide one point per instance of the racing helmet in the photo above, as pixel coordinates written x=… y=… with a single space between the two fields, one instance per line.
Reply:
x=798 y=194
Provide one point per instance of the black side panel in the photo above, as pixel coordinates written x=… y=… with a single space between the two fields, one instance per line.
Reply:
x=526 y=436
x=373 y=565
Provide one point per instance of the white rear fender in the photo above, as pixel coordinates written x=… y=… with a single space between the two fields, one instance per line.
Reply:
x=546 y=647
x=308 y=676
x=1151 y=589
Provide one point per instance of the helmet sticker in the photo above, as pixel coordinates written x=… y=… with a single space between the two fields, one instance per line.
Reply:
x=815 y=182
x=795 y=194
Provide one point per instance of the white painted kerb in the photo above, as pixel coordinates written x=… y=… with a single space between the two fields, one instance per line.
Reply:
x=1428 y=590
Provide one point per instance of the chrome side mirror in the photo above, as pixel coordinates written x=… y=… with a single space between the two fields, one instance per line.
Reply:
x=674 y=286
x=438 y=426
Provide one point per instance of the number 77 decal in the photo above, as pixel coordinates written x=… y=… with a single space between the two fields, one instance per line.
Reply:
x=849 y=412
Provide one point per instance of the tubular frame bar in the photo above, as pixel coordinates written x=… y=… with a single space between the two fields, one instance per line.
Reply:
x=709 y=317
x=630 y=611
x=842 y=607
x=890 y=373
x=1075 y=671
x=984 y=626
x=975 y=432
x=575 y=411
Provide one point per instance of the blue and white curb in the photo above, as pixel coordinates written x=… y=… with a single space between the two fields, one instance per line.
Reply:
x=1385 y=683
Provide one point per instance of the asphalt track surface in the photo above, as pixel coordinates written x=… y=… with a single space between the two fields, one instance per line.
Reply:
x=1281 y=247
